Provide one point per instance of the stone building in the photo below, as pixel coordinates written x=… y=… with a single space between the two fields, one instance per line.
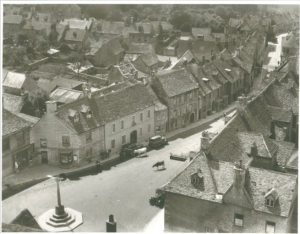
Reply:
x=17 y=149
x=218 y=196
x=178 y=90
x=95 y=126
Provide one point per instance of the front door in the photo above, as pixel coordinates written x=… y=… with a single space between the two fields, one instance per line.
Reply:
x=44 y=157
x=22 y=159
x=133 y=137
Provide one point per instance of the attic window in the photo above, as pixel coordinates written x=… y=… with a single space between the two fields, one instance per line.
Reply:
x=271 y=198
x=86 y=111
x=73 y=115
x=197 y=179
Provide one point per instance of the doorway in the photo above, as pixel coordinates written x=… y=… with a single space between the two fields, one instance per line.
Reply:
x=133 y=137
x=44 y=157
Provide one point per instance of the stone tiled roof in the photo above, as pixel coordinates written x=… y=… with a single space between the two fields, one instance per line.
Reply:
x=265 y=148
x=12 y=102
x=65 y=95
x=12 y=123
x=280 y=114
x=219 y=177
x=106 y=108
x=226 y=145
x=14 y=80
x=279 y=95
x=176 y=82
x=285 y=152
x=198 y=74
x=226 y=70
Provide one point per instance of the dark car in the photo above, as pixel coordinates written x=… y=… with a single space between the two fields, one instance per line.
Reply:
x=127 y=150
x=157 y=142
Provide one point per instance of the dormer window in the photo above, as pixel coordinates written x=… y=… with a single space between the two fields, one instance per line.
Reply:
x=197 y=179
x=73 y=115
x=86 y=111
x=271 y=198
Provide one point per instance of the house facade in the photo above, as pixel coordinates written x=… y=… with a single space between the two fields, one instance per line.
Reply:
x=17 y=148
x=179 y=92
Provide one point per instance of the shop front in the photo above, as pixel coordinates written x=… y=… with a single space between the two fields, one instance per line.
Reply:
x=66 y=157
x=23 y=158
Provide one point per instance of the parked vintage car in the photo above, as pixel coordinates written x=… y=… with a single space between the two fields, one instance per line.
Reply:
x=157 y=142
x=158 y=200
x=128 y=150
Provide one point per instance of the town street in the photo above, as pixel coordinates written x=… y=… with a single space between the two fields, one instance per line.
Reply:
x=124 y=190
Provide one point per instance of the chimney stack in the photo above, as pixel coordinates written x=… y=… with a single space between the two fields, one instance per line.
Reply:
x=205 y=141
x=239 y=175
x=111 y=225
x=254 y=151
x=51 y=107
x=242 y=103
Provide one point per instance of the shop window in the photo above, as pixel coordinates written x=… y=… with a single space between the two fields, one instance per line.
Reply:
x=43 y=143
x=66 y=158
x=270 y=227
x=238 y=220
x=65 y=140
x=5 y=144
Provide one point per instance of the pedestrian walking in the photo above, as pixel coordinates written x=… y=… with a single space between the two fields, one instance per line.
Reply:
x=16 y=167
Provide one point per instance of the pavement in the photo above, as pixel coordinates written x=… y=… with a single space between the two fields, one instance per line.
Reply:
x=123 y=191
x=41 y=171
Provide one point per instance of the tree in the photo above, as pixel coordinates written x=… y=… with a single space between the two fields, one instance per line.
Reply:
x=181 y=20
x=222 y=12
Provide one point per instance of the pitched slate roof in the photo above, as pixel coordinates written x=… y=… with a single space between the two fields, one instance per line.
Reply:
x=187 y=57
x=175 y=82
x=281 y=96
x=12 y=123
x=12 y=102
x=14 y=80
x=106 y=107
x=198 y=75
x=219 y=177
x=280 y=114
x=77 y=23
x=285 y=152
x=65 y=95
x=25 y=218
x=265 y=148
